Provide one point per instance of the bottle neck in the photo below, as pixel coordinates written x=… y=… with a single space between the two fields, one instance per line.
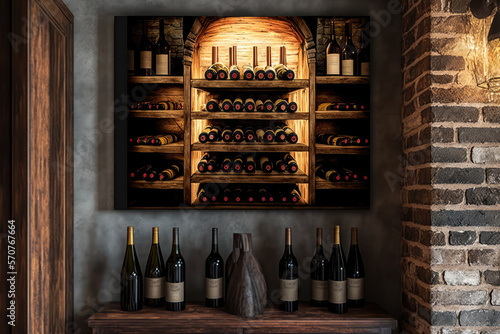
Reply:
x=130 y=236
x=215 y=241
x=354 y=236
x=255 y=57
x=336 y=240
x=175 y=241
x=319 y=240
x=268 y=56
x=332 y=32
x=348 y=33
x=155 y=235
x=288 y=241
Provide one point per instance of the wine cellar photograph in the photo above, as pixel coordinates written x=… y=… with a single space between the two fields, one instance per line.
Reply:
x=245 y=122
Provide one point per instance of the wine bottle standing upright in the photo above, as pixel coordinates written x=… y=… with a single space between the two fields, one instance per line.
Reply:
x=333 y=53
x=214 y=275
x=162 y=53
x=176 y=274
x=133 y=57
x=145 y=52
x=131 y=287
x=337 y=300
x=355 y=273
x=349 y=53
x=289 y=277
x=319 y=273
x=154 y=275
x=364 y=55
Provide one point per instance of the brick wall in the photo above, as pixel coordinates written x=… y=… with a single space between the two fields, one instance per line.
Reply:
x=451 y=192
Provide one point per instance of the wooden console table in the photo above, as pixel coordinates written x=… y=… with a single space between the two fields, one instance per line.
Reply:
x=199 y=319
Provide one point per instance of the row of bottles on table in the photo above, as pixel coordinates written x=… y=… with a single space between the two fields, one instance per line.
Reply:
x=249 y=105
x=164 y=105
x=336 y=283
x=334 y=172
x=347 y=60
x=341 y=106
x=341 y=140
x=249 y=163
x=279 y=133
x=214 y=193
x=155 y=140
x=157 y=173
x=220 y=71
x=148 y=58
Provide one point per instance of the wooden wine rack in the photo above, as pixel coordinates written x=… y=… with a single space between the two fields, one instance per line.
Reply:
x=307 y=90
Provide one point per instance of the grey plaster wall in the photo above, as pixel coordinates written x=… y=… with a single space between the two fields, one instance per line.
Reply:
x=100 y=231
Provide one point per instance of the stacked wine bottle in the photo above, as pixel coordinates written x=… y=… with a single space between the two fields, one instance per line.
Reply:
x=336 y=283
x=334 y=172
x=155 y=140
x=248 y=163
x=342 y=106
x=157 y=173
x=341 y=140
x=254 y=193
x=279 y=133
x=249 y=105
x=164 y=105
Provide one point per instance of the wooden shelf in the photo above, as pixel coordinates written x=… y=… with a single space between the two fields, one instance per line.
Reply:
x=257 y=177
x=324 y=184
x=249 y=115
x=199 y=319
x=156 y=114
x=333 y=114
x=177 y=183
x=329 y=149
x=332 y=80
x=177 y=147
x=245 y=205
x=251 y=84
x=249 y=147
x=172 y=80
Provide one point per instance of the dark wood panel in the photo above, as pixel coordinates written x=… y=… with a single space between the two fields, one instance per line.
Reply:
x=332 y=114
x=324 y=184
x=329 y=149
x=177 y=183
x=323 y=80
x=156 y=114
x=173 y=80
x=199 y=319
x=177 y=147
x=257 y=177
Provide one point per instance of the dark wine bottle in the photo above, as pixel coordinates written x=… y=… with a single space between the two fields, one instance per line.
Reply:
x=262 y=195
x=328 y=174
x=249 y=134
x=355 y=273
x=281 y=105
x=260 y=71
x=213 y=105
x=333 y=53
x=203 y=137
x=238 y=104
x=270 y=72
x=131 y=287
x=268 y=135
x=279 y=135
x=238 y=134
x=203 y=163
x=265 y=164
x=248 y=73
x=154 y=275
x=214 y=275
x=238 y=195
x=291 y=136
x=145 y=52
x=162 y=50
x=226 y=105
x=227 y=195
x=234 y=70
x=249 y=105
x=215 y=133
x=171 y=172
x=289 y=277
x=250 y=164
x=137 y=174
x=295 y=195
x=349 y=53
x=282 y=71
x=202 y=195
x=238 y=164
x=227 y=164
x=269 y=106
x=259 y=106
x=227 y=134
x=133 y=57
x=211 y=72
x=337 y=300
x=250 y=195
x=292 y=107
x=145 y=173
x=364 y=55
x=319 y=273
x=212 y=164
x=176 y=274
x=280 y=166
x=260 y=135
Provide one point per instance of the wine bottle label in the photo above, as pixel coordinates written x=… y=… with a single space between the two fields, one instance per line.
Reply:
x=162 y=64
x=355 y=288
x=146 y=59
x=365 y=69
x=154 y=287
x=131 y=60
x=348 y=67
x=174 y=292
x=338 y=293
x=213 y=288
x=319 y=290
x=333 y=63
x=289 y=290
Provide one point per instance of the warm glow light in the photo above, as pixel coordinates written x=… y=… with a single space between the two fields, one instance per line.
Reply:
x=483 y=55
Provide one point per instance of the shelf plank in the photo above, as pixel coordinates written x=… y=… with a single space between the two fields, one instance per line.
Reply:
x=156 y=114
x=335 y=114
x=329 y=149
x=173 y=80
x=249 y=147
x=249 y=115
x=245 y=205
x=250 y=84
x=257 y=177
x=324 y=184
x=177 y=147
x=199 y=319
x=329 y=80
x=177 y=183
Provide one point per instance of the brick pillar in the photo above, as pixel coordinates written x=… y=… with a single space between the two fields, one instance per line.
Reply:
x=451 y=191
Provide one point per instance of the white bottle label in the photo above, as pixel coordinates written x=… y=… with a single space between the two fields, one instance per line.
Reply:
x=365 y=69
x=162 y=64
x=154 y=287
x=131 y=60
x=174 y=292
x=355 y=288
x=213 y=288
x=348 y=67
x=319 y=290
x=338 y=292
x=333 y=64
x=289 y=290
x=146 y=59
